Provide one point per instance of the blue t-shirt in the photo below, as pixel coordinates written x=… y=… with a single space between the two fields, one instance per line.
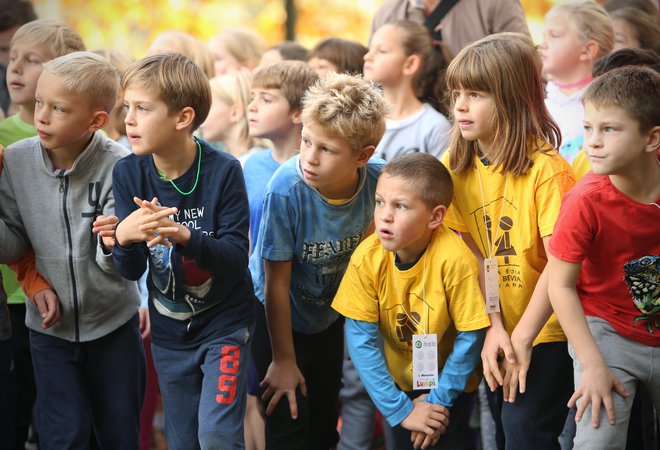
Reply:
x=258 y=170
x=299 y=225
x=203 y=290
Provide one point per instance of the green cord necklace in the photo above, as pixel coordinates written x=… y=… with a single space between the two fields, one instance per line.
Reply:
x=162 y=176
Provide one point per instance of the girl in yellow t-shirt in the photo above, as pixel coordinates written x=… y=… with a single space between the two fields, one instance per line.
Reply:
x=509 y=181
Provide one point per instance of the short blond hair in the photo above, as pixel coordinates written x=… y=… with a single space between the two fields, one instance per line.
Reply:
x=176 y=79
x=90 y=75
x=347 y=106
x=590 y=22
x=292 y=78
x=60 y=38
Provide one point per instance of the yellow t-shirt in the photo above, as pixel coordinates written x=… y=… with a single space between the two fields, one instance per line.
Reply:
x=581 y=165
x=439 y=294
x=516 y=220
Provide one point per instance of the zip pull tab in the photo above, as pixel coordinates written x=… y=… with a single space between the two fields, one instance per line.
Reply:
x=61 y=185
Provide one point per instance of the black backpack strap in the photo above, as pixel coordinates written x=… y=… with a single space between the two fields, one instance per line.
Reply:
x=436 y=17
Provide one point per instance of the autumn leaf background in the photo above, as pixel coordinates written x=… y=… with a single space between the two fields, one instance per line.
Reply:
x=130 y=25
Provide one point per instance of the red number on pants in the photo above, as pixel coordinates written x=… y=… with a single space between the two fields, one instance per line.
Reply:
x=227 y=388
x=229 y=363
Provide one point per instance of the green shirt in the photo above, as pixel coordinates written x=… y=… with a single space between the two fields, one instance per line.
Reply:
x=13 y=129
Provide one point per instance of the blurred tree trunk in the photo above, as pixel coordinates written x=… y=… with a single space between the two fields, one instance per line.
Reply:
x=290 y=8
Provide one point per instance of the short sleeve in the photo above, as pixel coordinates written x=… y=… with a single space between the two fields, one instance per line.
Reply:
x=357 y=296
x=548 y=198
x=453 y=218
x=277 y=229
x=574 y=229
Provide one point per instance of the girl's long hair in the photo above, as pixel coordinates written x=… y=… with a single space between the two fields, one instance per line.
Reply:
x=429 y=83
x=506 y=66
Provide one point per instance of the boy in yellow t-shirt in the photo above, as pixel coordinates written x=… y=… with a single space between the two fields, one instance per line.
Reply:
x=414 y=280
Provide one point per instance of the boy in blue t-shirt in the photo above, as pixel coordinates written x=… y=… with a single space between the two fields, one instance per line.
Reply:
x=201 y=300
x=317 y=208
x=274 y=114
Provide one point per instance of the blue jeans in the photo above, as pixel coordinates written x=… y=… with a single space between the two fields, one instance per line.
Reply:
x=204 y=392
x=83 y=386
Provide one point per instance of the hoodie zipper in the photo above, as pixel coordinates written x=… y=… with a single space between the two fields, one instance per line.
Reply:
x=64 y=188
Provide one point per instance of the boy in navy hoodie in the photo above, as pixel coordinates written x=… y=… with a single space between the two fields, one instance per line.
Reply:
x=201 y=300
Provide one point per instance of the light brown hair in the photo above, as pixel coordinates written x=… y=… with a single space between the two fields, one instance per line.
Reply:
x=176 y=79
x=634 y=89
x=53 y=34
x=347 y=56
x=291 y=78
x=349 y=107
x=506 y=66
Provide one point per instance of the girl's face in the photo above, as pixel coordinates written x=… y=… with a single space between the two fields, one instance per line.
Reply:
x=322 y=66
x=473 y=114
x=384 y=62
x=218 y=123
x=561 y=48
x=223 y=60
x=624 y=35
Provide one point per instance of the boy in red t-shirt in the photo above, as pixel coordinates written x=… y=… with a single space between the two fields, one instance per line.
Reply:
x=604 y=262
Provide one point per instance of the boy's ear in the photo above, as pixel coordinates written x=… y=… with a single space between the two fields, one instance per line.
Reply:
x=364 y=155
x=185 y=118
x=296 y=116
x=412 y=65
x=99 y=119
x=437 y=215
x=653 y=142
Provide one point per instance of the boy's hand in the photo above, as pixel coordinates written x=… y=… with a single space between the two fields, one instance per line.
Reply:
x=423 y=440
x=515 y=375
x=104 y=226
x=596 y=386
x=163 y=228
x=427 y=418
x=497 y=340
x=282 y=379
x=128 y=232
x=145 y=323
x=48 y=305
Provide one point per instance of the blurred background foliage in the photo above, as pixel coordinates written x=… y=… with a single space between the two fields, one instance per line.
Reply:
x=130 y=25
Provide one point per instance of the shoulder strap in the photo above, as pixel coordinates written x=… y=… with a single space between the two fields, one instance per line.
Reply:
x=436 y=17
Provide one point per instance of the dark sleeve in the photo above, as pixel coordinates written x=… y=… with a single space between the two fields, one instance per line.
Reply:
x=227 y=251
x=130 y=262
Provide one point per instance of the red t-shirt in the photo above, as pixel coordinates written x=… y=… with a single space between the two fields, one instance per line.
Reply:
x=617 y=240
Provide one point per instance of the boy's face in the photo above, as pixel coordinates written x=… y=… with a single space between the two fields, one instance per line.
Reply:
x=149 y=123
x=269 y=114
x=613 y=141
x=328 y=162
x=404 y=223
x=25 y=66
x=64 y=119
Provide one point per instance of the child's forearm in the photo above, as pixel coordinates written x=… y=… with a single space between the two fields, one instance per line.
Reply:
x=278 y=309
x=28 y=277
x=566 y=303
x=460 y=364
x=574 y=323
x=536 y=314
x=361 y=337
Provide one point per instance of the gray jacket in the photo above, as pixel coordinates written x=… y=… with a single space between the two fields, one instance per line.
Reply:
x=52 y=210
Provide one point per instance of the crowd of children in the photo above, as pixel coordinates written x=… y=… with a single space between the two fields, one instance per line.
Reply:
x=407 y=212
